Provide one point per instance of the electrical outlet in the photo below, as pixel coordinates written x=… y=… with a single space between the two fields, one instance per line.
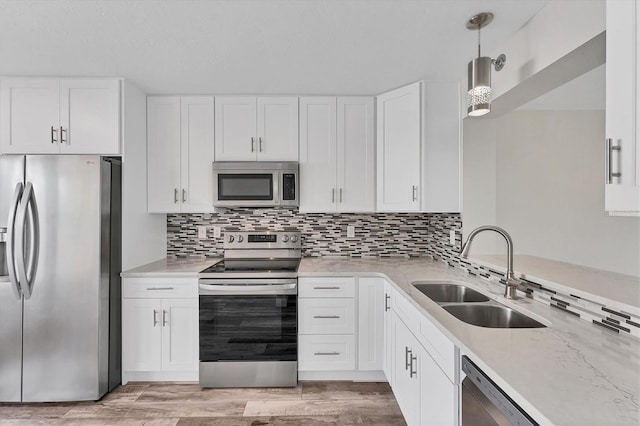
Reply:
x=351 y=231
x=452 y=237
x=216 y=232
x=202 y=232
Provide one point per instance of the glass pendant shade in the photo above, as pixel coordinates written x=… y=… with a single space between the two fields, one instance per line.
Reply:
x=479 y=86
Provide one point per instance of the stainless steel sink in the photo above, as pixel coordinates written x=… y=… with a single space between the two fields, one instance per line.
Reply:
x=450 y=293
x=492 y=316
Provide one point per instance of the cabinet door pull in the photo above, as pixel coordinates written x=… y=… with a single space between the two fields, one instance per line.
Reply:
x=53 y=135
x=414 y=192
x=260 y=144
x=326 y=288
x=327 y=353
x=609 y=160
x=175 y=196
x=164 y=318
x=326 y=316
x=62 y=132
x=386 y=302
x=413 y=372
x=252 y=143
x=340 y=194
x=155 y=317
x=407 y=351
x=184 y=195
x=333 y=195
x=159 y=288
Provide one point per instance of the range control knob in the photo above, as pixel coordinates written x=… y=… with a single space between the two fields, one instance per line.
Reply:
x=240 y=238
x=294 y=238
x=231 y=238
x=285 y=238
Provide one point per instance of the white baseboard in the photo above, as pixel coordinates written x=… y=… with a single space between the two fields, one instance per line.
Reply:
x=160 y=376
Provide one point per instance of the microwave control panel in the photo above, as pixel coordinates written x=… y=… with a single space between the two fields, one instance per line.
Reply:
x=288 y=186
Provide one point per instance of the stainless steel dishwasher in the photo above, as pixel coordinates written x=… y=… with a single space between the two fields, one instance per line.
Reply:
x=484 y=403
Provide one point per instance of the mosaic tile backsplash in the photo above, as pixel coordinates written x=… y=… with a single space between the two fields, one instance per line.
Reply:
x=323 y=234
x=377 y=234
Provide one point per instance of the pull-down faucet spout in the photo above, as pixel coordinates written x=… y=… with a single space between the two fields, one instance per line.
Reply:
x=511 y=281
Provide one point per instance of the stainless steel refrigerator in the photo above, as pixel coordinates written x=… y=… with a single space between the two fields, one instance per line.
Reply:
x=60 y=303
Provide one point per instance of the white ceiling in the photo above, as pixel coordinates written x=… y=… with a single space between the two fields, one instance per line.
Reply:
x=252 y=46
x=586 y=92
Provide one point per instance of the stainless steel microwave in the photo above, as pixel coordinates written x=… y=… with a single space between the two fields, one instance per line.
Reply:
x=255 y=184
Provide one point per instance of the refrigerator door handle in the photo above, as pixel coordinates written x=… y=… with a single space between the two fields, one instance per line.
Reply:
x=27 y=273
x=11 y=250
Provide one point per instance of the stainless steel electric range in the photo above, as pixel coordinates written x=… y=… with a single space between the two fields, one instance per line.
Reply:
x=248 y=312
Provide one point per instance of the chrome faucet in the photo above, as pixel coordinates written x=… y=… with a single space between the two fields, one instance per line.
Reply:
x=511 y=281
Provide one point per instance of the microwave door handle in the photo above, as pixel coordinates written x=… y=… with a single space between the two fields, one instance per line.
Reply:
x=276 y=187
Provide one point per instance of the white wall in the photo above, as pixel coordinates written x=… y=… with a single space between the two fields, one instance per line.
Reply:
x=479 y=182
x=549 y=188
x=144 y=236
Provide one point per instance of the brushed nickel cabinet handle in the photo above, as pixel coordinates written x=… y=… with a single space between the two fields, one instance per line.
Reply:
x=386 y=302
x=333 y=195
x=164 y=318
x=62 y=132
x=413 y=372
x=175 y=196
x=326 y=288
x=184 y=195
x=53 y=135
x=260 y=144
x=407 y=351
x=159 y=288
x=340 y=194
x=609 y=161
x=155 y=317
x=252 y=144
x=414 y=193
x=326 y=316
x=327 y=353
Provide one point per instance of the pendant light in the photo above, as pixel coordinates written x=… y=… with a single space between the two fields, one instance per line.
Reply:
x=479 y=71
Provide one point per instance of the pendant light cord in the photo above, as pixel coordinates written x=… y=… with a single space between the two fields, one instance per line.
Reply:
x=478 y=41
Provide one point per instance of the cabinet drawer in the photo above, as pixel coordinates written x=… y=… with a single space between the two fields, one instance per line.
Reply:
x=160 y=287
x=333 y=352
x=406 y=311
x=326 y=287
x=441 y=349
x=326 y=316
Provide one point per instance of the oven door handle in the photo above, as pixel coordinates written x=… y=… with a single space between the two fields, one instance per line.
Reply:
x=249 y=289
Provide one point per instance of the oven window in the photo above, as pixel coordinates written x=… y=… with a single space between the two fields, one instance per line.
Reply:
x=248 y=328
x=250 y=186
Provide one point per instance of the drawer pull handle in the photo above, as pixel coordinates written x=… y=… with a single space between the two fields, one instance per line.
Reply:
x=326 y=288
x=327 y=316
x=159 y=288
x=327 y=353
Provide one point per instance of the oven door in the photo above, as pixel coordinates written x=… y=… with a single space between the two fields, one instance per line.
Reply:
x=249 y=320
x=246 y=188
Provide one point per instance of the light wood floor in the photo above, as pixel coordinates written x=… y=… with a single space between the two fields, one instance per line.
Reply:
x=160 y=404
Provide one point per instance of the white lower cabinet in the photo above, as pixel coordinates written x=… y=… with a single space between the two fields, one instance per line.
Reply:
x=370 y=323
x=424 y=389
x=387 y=341
x=159 y=329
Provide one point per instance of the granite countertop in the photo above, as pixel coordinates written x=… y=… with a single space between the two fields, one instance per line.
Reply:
x=189 y=267
x=594 y=284
x=571 y=372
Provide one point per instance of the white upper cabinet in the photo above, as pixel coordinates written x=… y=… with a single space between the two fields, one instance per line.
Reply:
x=251 y=129
x=67 y=116
x=398 y=149
x=180 y=150
x=277 y=127
x=622 y=168
x=336 y=154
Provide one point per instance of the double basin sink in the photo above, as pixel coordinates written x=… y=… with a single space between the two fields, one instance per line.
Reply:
x=473 y=307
